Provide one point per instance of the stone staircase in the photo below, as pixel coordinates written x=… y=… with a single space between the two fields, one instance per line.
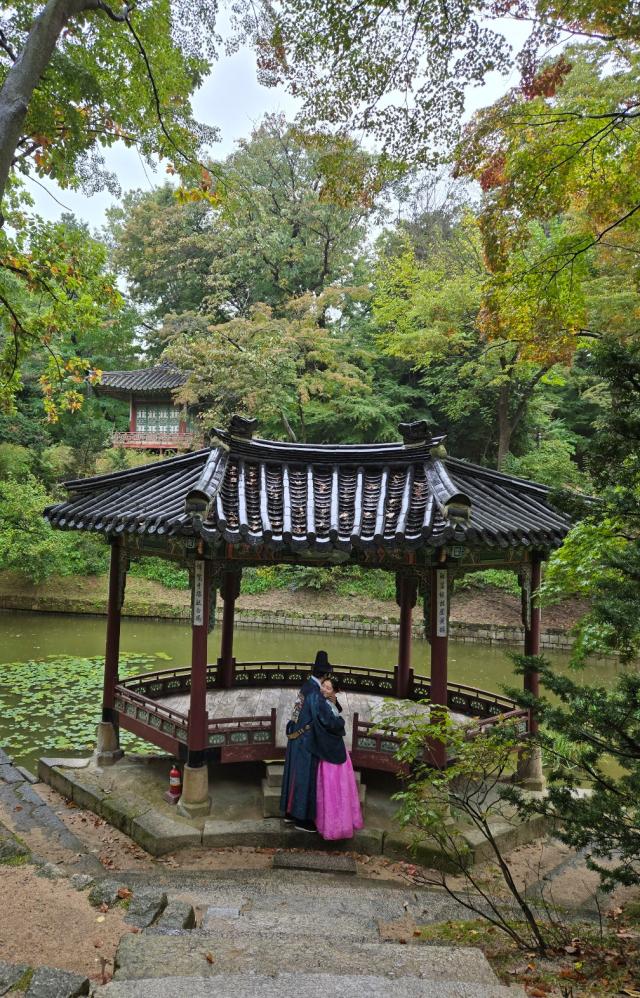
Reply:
x=272 y=787
x=291 y=934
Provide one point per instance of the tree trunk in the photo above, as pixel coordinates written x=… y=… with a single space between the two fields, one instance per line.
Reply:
x=25 y=74
x=505 y=425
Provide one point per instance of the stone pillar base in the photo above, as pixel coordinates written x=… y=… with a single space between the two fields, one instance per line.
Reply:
x=108 y=749
x=195 y=801
x=529 y=772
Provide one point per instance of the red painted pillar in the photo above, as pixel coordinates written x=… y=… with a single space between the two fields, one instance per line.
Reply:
x=532 y=630
x=230 y=591
x=132 y=415
x=406 y=594
x=439 y=650
x=112 y=650
x=197 y=734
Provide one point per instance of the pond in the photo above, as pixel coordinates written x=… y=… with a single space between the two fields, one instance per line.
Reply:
x=51 y=669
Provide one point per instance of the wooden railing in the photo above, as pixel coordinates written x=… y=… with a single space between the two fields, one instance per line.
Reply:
x=354 y=678
x=156 y=439
x=248 y=738
x=152 y=721
x=243 y=739
x=374 y=747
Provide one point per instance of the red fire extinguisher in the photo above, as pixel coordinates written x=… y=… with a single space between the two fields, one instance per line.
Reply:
x=175 y=786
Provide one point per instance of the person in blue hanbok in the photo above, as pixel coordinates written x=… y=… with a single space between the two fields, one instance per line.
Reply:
x=298 y=797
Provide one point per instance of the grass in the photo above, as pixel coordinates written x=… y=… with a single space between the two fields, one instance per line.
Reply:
x=24 y=982
x=587 y=961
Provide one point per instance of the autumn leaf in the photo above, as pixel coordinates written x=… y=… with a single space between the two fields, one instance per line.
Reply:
x=124 y=893
x=209 y=957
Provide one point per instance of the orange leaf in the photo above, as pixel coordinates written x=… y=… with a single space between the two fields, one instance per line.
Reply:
x=209 y=957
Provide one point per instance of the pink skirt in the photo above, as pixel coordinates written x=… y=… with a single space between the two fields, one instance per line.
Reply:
x=338 y=812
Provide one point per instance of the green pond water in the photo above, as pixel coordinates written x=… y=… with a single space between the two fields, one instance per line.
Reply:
x=51 y=669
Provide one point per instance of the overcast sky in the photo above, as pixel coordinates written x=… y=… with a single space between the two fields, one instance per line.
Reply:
x=232 y=100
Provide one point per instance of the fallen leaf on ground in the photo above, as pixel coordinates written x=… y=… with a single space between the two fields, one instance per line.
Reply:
x=209 y=957
x=124 y=893
x=104 y=906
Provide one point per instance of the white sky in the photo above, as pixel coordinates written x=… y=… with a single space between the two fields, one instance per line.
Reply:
x=233 y=100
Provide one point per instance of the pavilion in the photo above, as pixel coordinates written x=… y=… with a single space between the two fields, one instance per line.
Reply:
x=405 y=507
x=156 y=422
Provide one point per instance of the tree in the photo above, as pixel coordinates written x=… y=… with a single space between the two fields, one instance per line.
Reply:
x=290 y=214
x=300 y=372
x=586 y=727
x=400 y=70
x=429 y=315
x=56 y=292
x=77 y=75
x=555 y=158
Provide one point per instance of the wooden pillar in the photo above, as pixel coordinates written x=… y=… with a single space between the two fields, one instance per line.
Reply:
x=229 y=591
x=439 y=640
x=112 y=650
x=197 y=736
x=406 y=594
x=532 y=630
x=529 y=772
x=108 y=749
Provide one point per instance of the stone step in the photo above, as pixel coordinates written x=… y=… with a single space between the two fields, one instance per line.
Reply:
x=211 y=954
x=273 y=891
x=271 y=799
x=296 y=985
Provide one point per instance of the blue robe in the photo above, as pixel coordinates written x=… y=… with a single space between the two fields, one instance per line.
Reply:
x=312 y=712
x=298 y=797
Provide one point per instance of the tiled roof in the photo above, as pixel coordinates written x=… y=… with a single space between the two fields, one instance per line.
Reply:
x=161 y=378
x=317 y=497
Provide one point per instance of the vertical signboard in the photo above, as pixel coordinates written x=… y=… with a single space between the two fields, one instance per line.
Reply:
x=441 y=603
x=198 y=593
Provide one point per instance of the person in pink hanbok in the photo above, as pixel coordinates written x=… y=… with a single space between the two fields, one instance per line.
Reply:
x=338 y=812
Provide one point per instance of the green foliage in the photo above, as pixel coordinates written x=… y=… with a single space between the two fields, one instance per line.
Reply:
x=439 y=805
x=31 y=547
x=601 y=557
x=429 y=314
x=343 y=580
x=15 y=462
x=161 y=570
x=551 y=462
x=302 y=198
x=491 y=578
x=584 y=726
x=554 y=158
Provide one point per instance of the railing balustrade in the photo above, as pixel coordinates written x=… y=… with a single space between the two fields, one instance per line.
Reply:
x=154 y=438
x=254 y=737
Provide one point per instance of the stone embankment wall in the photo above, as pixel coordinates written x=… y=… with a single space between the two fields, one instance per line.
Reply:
x=486 y=634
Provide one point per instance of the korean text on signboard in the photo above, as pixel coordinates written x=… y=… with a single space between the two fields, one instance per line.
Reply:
x=198 y=593
x=441 y=603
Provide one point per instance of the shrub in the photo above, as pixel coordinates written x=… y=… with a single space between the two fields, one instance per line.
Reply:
x=15 y=462
x=168 y=573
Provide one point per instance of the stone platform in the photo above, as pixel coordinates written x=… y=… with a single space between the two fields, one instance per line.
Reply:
x=129 y=795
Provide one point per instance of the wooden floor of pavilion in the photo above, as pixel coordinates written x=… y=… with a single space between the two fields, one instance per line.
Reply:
x=257 y=702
